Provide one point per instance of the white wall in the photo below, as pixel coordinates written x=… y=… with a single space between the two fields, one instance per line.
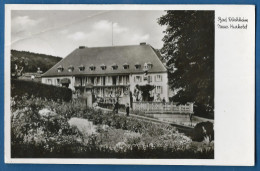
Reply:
x=45 y=80
x=163 y=83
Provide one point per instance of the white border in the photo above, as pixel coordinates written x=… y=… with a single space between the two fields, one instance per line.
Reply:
x=234 y=142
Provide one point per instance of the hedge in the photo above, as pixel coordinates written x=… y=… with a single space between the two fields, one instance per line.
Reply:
x=121 y=107
x=198 y=134
x=50 y=92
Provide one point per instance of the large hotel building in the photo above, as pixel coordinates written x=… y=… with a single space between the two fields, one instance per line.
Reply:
x=112 y=72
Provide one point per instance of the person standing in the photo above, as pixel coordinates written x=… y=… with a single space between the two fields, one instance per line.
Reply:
x=116 y=106
x=163 y=101
x=127 y=109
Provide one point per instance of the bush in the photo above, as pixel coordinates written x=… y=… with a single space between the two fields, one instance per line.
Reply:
x=203 y=130
x=121 y=107
x=201 y=111
x=50 y=92
x=35 y=135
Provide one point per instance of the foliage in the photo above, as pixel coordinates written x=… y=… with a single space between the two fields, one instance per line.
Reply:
x=22 y=87
x=18 y=66
x=121 y=107
x=189 y=51
x=34 y=134
x=203 y=131
x=145 y=89
x=34 y=60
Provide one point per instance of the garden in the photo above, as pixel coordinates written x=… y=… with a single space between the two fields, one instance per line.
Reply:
x=44 y=128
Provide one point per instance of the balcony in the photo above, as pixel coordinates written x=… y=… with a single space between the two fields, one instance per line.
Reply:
x=103 y=81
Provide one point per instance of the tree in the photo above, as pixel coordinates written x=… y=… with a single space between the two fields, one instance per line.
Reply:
x=189 y=51
x=18 y=65
x=145 y=90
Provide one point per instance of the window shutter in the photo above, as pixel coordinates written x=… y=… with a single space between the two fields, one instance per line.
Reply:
x=161 y=89
x=134 y=79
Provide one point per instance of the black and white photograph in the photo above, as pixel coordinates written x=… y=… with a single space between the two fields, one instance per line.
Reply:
x=112 y=84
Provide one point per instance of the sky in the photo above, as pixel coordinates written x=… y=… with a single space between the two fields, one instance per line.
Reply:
x=58 y=33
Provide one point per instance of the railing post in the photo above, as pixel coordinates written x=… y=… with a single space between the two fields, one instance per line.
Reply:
x=191 y=107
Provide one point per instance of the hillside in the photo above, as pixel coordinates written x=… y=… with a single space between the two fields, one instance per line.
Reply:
x=35 y=60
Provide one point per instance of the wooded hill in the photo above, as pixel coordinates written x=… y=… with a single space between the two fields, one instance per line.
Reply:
x=35 y=60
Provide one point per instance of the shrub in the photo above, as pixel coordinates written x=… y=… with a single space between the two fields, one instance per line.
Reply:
x=203 y=130
x=50 y=92
x=121 y=107
x=132 y=137
x=32 y=135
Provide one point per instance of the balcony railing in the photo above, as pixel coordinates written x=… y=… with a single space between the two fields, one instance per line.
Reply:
x=78 y=84
x=163 y=107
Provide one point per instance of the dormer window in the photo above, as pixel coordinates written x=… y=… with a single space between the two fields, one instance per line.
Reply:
x=137 y=66
x=60 y=68
x=103 y=67
x=126 y=66
x=81 y=68
x=92 y=67
x=148 y=65
x=70 y=68
x=114 y=66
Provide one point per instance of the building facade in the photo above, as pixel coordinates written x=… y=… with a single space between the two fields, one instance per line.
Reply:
x=113 y=73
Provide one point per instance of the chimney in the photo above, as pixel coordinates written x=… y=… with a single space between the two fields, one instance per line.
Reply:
x=143 y=43
x=82 y=47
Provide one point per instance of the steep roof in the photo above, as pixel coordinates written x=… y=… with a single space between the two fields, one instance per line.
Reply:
x=97 y=56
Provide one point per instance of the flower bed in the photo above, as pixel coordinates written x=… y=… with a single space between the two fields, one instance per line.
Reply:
x=40 y=128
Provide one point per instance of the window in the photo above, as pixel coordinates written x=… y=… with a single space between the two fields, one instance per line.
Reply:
x=92 y=68
x=58 y=81
x=159 y=89
x=92 y=80
x=103 y=67
x=49 y=81
x=81 y=68
x=158 y=78
x=150 y=79
x=71 y=68
x=127 y=80
x=108 y=79
x=82 y=81
x=137 y=66
x=126 y=66
x=138 y=79
x=120 y=79
x=114 y=66
x=98 y=81
x=60 y=68
x=148 y=65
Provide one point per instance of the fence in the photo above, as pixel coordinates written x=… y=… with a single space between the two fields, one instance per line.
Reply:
x=163 y=107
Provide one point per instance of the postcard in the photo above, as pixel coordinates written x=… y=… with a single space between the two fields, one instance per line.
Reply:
x=130 y=84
